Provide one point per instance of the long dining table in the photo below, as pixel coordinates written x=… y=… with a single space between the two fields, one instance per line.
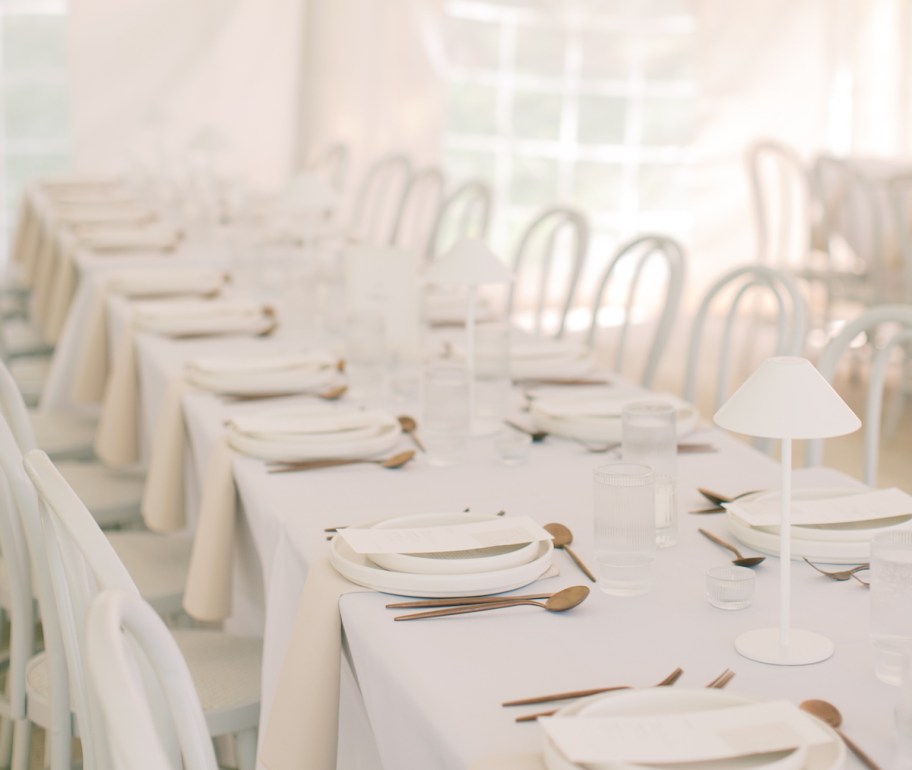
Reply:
x=429 y=693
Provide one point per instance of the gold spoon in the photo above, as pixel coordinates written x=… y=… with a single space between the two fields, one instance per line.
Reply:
x=409 y=426
x=741 y=561
x=716 y=499
x=395 y=461
x=559 y=602
x=562 y=537
x=828 y=714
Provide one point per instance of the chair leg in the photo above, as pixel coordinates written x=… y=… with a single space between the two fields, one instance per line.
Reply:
x=245 y=744
x=22 y=744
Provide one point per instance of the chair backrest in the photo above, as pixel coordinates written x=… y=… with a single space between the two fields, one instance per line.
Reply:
x=900 y=191
x=556 y=239
x=332 y=165
x=889 y=327
x=730 y=291
x=627 y=266
x=80 y=561
x=464 y=214
x=783 y=204
x=418 y=211
x=14 y=410
x=379 y=199
x=143 y=686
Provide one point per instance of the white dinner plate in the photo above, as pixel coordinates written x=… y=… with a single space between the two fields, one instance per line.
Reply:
x=566 y=416
x=450 y=562
x=847 y=543
x=655 y=701
x=359 y=569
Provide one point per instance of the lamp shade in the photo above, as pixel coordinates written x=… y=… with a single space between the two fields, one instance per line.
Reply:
x=469 y=262
x=787 y=398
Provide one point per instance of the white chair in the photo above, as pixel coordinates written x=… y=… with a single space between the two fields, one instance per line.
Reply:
x=464 y=213
x=727 y=297
x=888 y=329
x=81 y=562
x=555 y=241
x=379 y=200
x=150 y=709
x=628 y=267
x=113 y=497
x=418 y=211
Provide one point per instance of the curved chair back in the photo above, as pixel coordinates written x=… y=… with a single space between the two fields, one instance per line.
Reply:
x=14 y=410
x=465 y=213
x=896 y=321
x=557 y=239
x=379 y=200
x=730 y=292
x=418 y=211
x=631 y=260
x=143 y=688
x=783 y=204
x=332 y=165
x=80 y=561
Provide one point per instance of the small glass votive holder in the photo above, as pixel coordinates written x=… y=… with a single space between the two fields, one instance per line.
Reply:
x=730 y=587
x=512 y=447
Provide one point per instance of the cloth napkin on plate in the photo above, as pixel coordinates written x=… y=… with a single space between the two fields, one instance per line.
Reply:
x=595 y=418
x=102 y=213
x=299 y=432
x=539 y=358
x=117 y=438
x=111 y=239
x=91 y=374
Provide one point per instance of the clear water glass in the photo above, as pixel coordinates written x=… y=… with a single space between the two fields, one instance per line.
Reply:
x=649 y=437
x=891 y=602
x=512 y=447
x=625 y=539
x=446 y=421
x=730 y=587
x=366 y=354
x=492 y=377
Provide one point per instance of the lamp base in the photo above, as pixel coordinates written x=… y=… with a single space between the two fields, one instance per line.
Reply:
x=804 y=647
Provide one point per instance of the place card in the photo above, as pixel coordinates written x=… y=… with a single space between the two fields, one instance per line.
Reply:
x=515 y=530
x=838 y=509
x=699 y=736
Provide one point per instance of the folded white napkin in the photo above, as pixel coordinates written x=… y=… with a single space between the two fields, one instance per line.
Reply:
x=540 y=358
x=314 y=431
x=112 y=238
x=593 y=418
x=193 y=317
x=103 y=212
x=271 y=373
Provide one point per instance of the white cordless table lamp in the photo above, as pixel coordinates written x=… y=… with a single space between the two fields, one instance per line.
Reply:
x=786 y=398
x=469 y=263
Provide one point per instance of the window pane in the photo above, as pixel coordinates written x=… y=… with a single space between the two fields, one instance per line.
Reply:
x=601 y=119
x=536 y=115
x=34 y=111
x=471 y=108
x=33 y=42
x=597 y=186
x=540 y=51
x=668 y=58
x=604 y=55
x=462 y=165
x=534 y=181
x=667 y=121
x=23 y=169
x=473 y=44
x=663 y=187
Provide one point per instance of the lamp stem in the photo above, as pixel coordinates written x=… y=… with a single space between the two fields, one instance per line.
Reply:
x=470 y=349
x=785 y=549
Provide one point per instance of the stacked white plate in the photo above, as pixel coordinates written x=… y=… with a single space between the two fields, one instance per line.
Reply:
x=666 y=701
x=258 y=374
x=843 y=543
x=537 y=358
x=477 y=572
x=314 y=431
x=597 y=418
x=175 y=282
x=200 y=317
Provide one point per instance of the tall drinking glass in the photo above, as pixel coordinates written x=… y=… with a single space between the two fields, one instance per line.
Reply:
x=649 y=437
x=625 y=539
x=492 y=377
x=446 y=421
x=891 y=602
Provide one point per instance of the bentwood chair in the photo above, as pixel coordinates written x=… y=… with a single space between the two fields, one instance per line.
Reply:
x=888 y=329
x=464 y=213
x=555 y=242
x=112 y=496
x=81 y=562
x=418 y=211
x=148 y=706
x=743 y=326
x=630 y=271
x=379 y=199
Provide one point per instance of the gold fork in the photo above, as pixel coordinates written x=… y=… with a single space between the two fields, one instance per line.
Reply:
x=720 y=681
x=841 y=574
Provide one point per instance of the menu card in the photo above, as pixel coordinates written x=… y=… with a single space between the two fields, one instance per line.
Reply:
x=514 y=530
x=699 y=736
x=838 y=509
